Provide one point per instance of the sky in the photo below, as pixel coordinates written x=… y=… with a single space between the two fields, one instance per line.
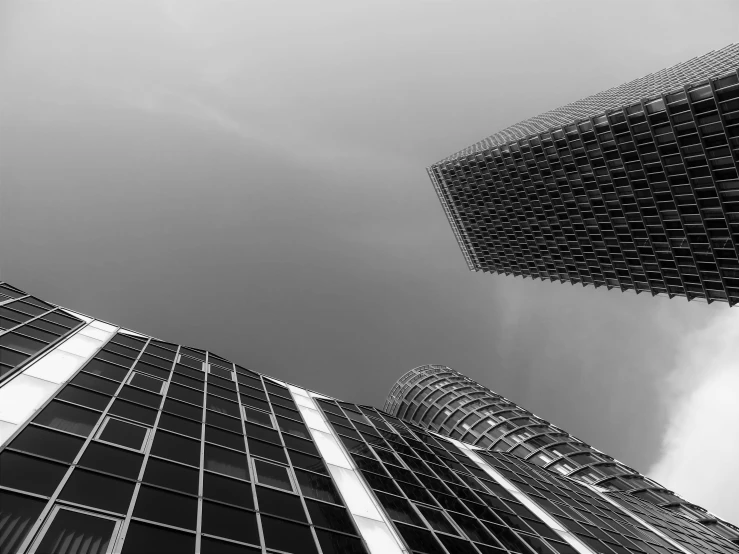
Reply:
x=249 y=177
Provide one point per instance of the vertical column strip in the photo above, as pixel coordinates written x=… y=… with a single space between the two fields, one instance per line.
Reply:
x=552 y=523
x=375 y=529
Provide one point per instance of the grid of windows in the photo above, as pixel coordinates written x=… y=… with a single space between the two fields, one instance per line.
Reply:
x=152 y=444
x=28 y=326
x=639 y=195
x=445 y=401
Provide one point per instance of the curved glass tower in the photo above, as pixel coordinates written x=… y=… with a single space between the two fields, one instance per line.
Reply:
x=445 y=401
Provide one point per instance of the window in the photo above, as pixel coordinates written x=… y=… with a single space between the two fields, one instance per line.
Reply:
x=230 y=523
x=166 y=507
x=29 y=473
x=51 y=444
x=213 y=546
x=333 y=543
x=179 y=425
x=172 y=476
x=223 y=406
x=420 y=539
x=289 y=537
x=398 y=509
x=66 y=417
x=80 y=530
x=257 y=416
x=19 y=513
x=123 y=433
x=273 y=475
x=280 y=504
x=331 y=517
x=145 y=382
x=215 y=370
x=185 y=394
x=99 y=491
x=227 y=490
x=106 y=386
x=225 y=461
x=104 y=369
x=142 y=537
x=70 y=393
x=300 y=444
x=112 y=460
x=127 y=410
x=315 y=486
x=174 y=447
x=140 y=397
x=230 y=423
x=224 y=438
x=266 y=450
x=304 y=461
x=182 y=409
x=294 y=427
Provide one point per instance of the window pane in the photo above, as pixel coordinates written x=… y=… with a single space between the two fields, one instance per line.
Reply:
x=154 y=370
x=133 y=411
x=317 y=486
x=227 y=490
x=30 y=474
x=254 y=402
x=185 y=394
x=99 y=491
x=300 y=444
x=458 y=545
x=230 y=523
x=291 y=426
x=146 y=382
x=229 y=423
x=222 y=392
x=140 y=397
x=266 y=450
x=68 y=418
x=17 y=514
x=84 y=397
x=257 y=416
x=98 y=367
x=284 y=535
x=437 y=520
x=123 y=433
x=224 y=438
x=273 y=475
x=280 y=504
x=187 y=381
x=214 y=546
x=166 y=507
x=172 y=476
x=311 y=463
x=100 y=384
x=142 y=537
x=420 y=540
x=182 y=409
x=179 y=425
x=225 y=461
x=112 y=460
x=222 y=406
x=174 y=447
x=48 y=443
x=333 y=517
x=21 y=343
x=71 y=528
x=333 y=543
x=399 y=509
x=261 y=432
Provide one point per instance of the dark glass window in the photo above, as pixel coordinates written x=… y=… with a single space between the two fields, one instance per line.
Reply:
x=99 y=384
x=120 y=349
x=48 y=443
x=123 y=433
x=378 y=482
x=266 y=450
x=159 y=351
x=84 y=397
x=71 y=528
x=420 y=540
x=50 y=327
x=172 y=476
x=273 y=475
x=142 y=537
x=227 y=490
x=31 y=474
x=319 y=487
x=333 y=517
x=166 y=507
x=230 y=523
x=220 y=372
x=182 y=409
x=222 y=392
x=276 y=389
x=471 y=527
x=35 y=333
x=185 y=394
x=214 y=546
x=257 y=416
x=369 y=464
x=251 y=391
x=99 y=491
x=279 y=401
x=311 y=463
x=289 y=537
x=455 y=545
x=115 y=358
x=187 y=381
x=60 y=319
x=179 y=425
x=140 y=397
x=224 y=438
x=156 y=367
x=189 y=362
x=254 y=402
x=222 y=406
x=192 y=373
x=146 y=382
x=66 y=417
x=399 y=509
x=131 y=342
x=291 y=426
x=333 y=543
x=225 y=422
x=300 y=444
x=99 y=367
x=174 y=447
x=437 y=520
x=280 y=504
x=225 y=461
x=279 y=410
x=19 y=513
x=134 y=412
x=260 y=432
x=21 y=344
x=112 y=460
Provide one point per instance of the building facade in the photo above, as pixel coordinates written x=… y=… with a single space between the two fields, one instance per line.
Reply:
x=447 y=402
x=635 y=188
x=114 y=441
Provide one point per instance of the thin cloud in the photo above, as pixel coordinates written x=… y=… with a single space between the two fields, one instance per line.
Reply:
x=700 y=450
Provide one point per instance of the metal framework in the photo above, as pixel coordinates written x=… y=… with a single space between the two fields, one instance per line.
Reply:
x=635 y=188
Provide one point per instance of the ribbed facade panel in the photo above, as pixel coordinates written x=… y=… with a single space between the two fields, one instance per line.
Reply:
x=635 y=188
x=445 y=401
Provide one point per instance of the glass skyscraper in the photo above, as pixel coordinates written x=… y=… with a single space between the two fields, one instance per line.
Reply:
x=114 y=441
x=635 y=188
x=445 y=401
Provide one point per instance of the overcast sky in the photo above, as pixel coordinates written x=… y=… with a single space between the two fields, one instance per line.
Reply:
x=249 y=177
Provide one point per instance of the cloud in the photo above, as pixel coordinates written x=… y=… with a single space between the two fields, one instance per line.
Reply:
x=699 y=450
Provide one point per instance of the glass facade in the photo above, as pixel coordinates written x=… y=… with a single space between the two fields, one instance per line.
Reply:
x=634 y=188
x=445 y=401
x=126 y=443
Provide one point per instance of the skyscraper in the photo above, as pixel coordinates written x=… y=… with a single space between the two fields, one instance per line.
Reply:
x=445 y=401
x=114 y=441
x=634 y=188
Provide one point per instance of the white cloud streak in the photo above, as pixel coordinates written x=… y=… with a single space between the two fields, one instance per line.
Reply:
x=700 y=450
